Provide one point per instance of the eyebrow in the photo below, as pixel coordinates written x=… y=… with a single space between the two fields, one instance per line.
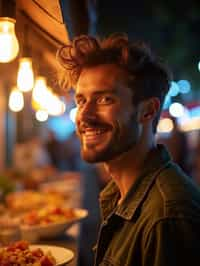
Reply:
x=96 y=93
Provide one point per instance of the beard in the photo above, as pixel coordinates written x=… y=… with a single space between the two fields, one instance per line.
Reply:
x=118 y=139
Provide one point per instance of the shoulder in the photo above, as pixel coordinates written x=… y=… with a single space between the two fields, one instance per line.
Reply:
x=175 y=194
x=174 y=185
x=172 y=202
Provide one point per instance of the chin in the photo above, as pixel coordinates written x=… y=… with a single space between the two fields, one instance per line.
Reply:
x=105 y=155
x=99 y=157
x=92 y=158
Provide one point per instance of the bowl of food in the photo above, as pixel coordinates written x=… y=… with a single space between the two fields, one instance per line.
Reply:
x=10 y=230
x=49 y=222
x=26 y=200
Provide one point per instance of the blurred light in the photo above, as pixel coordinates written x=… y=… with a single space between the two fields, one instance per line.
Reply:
x=176 y=109
x=199 y=66
x=195 y=112
x=174 y=89
x=53 y=104
x=191 y=124
x=165 y=125
x=72 y=114
x=9 y=46
x=167 y=101
x=61 y=125
x=25 y=77
x=184 y=86
x=16 y=100
x=39 y=93
x=41 y=115
x=43 y=98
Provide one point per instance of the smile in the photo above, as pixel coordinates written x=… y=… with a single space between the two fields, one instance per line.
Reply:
x=93 y=134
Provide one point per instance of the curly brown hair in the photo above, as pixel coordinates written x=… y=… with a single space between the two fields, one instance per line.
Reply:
x=148 y=75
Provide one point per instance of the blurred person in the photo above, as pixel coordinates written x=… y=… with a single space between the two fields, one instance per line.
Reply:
x=54 y=149
x=178 y=146
x=71 y=160
x=29 y=154
x=196 y=161
x=150 y=209
x=31 y=163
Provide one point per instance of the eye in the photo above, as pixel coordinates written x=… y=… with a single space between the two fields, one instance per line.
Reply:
x=105 y=100
x=80 y=102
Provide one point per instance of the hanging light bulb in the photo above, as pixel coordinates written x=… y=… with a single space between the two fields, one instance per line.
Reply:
x=16 y=100
x=9 y=46
x=39 y=93
x=57 y=107
x=41 y=115
x=25 y=77
x=53 y=104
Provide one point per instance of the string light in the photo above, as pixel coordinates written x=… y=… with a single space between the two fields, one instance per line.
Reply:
x=41 y=115
x=25 y=77
x=16 y=100
x=9 y=46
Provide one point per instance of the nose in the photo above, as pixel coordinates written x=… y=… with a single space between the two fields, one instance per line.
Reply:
x=87 y=112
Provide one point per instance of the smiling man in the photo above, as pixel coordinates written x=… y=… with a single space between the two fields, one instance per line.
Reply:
x=106 y=115
x=150 y=209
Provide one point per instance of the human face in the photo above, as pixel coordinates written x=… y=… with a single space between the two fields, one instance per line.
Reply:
x=106 y=119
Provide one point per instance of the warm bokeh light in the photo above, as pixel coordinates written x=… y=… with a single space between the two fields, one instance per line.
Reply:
x=53 y=104
x=25 y=77
x=176 y=109
x=43 y=98
x=9 y=46
x=16 y=100
x=39 y=92
x=41 y=115
x=190 y=124
x=165 y=125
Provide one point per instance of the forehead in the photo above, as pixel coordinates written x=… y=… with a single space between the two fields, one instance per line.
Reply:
x=102 y=77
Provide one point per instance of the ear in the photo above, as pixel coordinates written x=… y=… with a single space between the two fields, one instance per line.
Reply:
x=148 y=109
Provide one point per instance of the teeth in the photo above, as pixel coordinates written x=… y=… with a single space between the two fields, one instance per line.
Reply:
x=94 y=132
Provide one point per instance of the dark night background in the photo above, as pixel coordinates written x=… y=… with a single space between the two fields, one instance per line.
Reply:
x=171 y=28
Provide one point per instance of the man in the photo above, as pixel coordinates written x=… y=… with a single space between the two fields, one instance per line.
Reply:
x=150 y=209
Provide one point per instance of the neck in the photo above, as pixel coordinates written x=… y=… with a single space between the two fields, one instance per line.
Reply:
x=126 y=168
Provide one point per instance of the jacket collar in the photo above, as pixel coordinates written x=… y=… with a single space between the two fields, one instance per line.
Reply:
x=156 y=160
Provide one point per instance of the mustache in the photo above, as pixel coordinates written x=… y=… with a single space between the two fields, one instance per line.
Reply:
x=95 y=124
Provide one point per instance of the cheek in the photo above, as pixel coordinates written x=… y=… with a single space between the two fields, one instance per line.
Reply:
x=124 y=117
x=108 y=115
x=127 y=122
x=77 y=118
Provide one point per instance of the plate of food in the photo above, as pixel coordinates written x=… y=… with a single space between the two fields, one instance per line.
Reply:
x=22 y=253
x=61 y=255
x=49 y=222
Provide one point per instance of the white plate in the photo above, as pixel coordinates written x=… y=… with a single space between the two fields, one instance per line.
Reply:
x=33 y=233
x=61 y=255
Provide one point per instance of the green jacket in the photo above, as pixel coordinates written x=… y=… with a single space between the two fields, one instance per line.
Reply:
x=157 y=224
